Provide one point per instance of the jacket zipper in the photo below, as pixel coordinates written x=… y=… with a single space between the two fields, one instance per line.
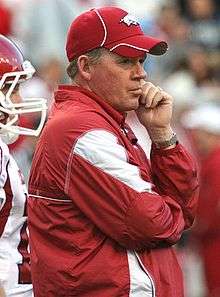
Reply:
x=148 y=274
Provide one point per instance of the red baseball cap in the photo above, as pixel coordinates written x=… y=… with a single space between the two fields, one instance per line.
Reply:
x=113 y=29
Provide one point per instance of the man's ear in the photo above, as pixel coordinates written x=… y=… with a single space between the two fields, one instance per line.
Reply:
x=84 y=67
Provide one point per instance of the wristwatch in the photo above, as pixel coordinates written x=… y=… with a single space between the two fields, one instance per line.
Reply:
x=166 y=143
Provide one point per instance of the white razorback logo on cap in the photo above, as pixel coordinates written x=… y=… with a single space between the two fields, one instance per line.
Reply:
x=129 y=20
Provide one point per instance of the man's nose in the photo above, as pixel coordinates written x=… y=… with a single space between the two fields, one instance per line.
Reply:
x=139 y=72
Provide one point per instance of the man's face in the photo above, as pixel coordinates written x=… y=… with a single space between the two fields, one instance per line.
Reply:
x=15 y=95
x=117 y=80
x=15 y=98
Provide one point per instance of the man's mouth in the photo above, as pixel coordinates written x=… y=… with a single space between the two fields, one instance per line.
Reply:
x=137 y=91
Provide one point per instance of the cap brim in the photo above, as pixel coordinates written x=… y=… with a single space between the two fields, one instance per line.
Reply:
x=136 y=45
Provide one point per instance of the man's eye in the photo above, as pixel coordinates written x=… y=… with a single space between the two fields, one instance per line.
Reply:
x=126 y=61
x=143 y=60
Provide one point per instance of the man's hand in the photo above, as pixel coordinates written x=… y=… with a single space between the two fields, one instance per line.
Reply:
x=155 y=112
x=155 y=109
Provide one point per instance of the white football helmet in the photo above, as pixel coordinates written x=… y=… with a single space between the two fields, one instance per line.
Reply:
x=14 y=70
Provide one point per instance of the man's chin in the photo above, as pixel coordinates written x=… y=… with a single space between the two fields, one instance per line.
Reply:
x=136 y=104
x=133 y=107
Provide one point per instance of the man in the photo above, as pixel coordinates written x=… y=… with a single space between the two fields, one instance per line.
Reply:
x=15 y=276
x=102 y=220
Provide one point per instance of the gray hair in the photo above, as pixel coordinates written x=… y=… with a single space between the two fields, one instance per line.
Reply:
x=93 y=55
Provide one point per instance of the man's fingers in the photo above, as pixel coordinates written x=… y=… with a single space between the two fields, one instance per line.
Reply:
x=146 y=86
x=156 y=99
x=151 y=95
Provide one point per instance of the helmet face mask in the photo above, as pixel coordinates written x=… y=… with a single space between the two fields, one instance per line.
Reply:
x=13 y=71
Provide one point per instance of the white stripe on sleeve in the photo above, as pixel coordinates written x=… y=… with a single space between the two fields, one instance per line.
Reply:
x=102 y=150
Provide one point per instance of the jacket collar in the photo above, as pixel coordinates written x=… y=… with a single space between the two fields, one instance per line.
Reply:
x=65 y=92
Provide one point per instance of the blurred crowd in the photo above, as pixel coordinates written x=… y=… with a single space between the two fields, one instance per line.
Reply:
x=190 y=71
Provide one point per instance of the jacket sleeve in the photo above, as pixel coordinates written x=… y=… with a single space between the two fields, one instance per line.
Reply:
x=175 y=175
x=112 y=194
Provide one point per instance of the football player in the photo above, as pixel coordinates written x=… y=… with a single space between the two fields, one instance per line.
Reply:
x=15 y=275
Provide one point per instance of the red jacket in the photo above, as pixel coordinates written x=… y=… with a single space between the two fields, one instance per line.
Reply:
x=102 y=221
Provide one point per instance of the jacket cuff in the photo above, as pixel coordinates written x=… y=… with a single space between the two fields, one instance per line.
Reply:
x=164 y=152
